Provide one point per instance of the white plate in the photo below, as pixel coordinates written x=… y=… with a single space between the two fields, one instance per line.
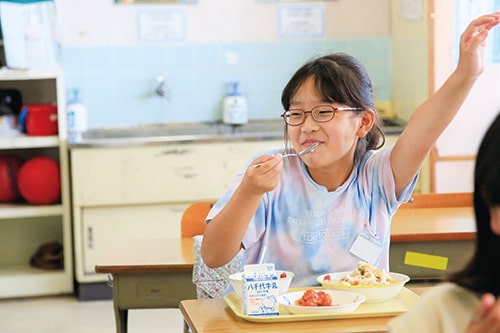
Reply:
x=344 y=302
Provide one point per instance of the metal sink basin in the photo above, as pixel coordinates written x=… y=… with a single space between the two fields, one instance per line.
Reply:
x=178 y=132
x=150 y=131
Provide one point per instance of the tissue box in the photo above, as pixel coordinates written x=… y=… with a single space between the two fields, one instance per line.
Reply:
x=260 y=290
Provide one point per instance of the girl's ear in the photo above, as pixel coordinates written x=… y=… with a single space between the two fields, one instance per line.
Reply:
x=368 y=118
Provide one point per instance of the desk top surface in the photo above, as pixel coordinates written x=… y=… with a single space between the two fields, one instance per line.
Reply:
x=149 y=255
x=213 y=315
x=428 y=224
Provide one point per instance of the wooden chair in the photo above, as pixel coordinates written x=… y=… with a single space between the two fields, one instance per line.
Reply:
x=193 y=218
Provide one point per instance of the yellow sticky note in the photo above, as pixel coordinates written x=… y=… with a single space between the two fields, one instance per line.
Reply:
x=426 y=260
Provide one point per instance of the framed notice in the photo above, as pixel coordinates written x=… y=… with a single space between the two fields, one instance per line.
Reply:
x=161 y=25
x=154 y=1
x=301 y=21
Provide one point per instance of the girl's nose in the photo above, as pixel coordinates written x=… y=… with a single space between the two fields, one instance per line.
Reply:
x=309 y=124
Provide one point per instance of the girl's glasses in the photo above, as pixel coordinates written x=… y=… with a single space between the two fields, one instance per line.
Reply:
x=320 y=113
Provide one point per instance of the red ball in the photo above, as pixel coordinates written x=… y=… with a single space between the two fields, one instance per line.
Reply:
x=39 y=181
x=9 y=169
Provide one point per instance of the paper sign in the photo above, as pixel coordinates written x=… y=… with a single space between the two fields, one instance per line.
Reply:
x=299 y=21
x=161 y=25
x=426 y=260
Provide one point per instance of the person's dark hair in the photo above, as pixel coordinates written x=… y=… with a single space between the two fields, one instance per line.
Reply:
x=482 y=272
x=340 y=78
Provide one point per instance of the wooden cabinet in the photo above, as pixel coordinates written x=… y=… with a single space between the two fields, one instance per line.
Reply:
x=24 y=227
x=141 y=192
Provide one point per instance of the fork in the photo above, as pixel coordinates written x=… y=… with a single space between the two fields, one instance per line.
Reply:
x=301 y=153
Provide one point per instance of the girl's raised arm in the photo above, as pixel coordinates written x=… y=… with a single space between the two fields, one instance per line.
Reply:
x=432 y=117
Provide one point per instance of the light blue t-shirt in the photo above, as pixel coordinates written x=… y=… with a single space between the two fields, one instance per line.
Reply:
x=302 y=227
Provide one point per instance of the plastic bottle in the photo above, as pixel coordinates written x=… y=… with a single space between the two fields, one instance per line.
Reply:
x=235 y=107
x=77 y=117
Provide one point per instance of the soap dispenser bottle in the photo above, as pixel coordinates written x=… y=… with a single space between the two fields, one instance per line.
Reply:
x=76 y=116
x=235 y=107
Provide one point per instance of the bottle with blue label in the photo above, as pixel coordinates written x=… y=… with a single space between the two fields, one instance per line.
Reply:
x=235 y=106
x=77 y=116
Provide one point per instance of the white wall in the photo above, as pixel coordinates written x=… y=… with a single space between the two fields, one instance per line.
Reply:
x=97 y=22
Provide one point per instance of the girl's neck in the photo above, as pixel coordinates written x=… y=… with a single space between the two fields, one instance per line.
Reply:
x=332 y=177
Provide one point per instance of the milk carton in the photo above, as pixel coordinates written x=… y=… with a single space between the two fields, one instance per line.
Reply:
x=260 y=290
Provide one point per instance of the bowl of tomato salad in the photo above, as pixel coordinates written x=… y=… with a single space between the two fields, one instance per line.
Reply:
x=323 y=301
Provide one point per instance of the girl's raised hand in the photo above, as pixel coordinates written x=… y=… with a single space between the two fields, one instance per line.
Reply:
x=473 y=42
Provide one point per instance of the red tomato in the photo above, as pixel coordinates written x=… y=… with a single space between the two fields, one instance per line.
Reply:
x=283 y=275
x=314 y=298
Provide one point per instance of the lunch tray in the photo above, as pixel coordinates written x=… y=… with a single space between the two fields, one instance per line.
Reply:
x=399 y=304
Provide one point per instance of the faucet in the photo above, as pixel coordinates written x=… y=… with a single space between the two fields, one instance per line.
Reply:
x=161 y=86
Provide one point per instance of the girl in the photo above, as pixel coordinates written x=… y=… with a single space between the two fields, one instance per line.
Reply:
x=328 y=210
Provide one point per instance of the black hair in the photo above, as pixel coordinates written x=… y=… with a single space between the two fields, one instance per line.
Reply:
x=482 y=271
x=339 y=78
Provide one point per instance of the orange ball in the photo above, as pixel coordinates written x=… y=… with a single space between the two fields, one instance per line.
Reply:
x=39 y=181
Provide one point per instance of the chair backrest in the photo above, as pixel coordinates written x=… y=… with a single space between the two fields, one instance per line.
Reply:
x=193 y=218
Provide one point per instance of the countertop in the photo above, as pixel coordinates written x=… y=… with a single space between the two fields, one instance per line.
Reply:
x=194 y=132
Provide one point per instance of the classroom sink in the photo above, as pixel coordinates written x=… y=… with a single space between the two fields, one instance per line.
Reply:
x=179 y=132
x=149 y=131
x=198 y=132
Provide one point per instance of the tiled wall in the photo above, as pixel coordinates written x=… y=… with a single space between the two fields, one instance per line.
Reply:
x=117 y=83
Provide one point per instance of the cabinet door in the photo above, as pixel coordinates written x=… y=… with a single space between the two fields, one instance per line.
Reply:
x=152 y=174
x=103 y=227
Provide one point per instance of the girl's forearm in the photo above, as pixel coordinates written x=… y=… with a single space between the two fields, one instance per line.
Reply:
x=224 y=234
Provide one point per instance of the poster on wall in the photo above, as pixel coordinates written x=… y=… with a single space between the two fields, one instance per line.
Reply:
x=411 y=9
x=301 y=21
x=155 y=1
x=161 y=25
x=293 y=0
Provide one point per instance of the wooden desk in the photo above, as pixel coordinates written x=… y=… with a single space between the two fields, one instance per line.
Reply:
x=433 y=224
x=149 y=274
x=439 y=225
x=157 y=273
x=213 y=315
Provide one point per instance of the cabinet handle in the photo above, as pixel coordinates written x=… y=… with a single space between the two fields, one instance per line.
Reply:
x=175 y=151
x=90 y=238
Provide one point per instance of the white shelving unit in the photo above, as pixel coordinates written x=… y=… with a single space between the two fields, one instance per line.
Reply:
x=24 y=227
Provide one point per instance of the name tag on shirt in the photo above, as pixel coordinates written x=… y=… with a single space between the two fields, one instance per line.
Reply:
x=366 y=249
